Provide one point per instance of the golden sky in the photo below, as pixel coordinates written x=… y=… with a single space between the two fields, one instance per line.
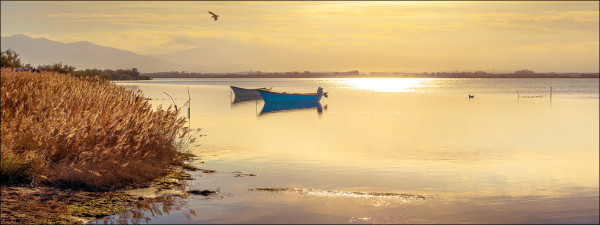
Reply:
x=420 y=36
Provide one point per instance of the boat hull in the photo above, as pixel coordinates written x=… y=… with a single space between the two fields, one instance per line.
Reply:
x=245 y=92
x=269 y=96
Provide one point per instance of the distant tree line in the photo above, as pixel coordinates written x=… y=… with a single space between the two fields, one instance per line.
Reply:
x=526 y=73
x=254 y=74
x=10 y=58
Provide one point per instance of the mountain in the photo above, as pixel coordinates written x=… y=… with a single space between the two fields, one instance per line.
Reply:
x=87 y=55
x=211 y=55
x=82 y=54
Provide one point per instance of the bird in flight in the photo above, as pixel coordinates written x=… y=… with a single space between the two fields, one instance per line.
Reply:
x=214 y=16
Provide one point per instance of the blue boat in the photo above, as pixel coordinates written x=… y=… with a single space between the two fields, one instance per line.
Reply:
x=270 y=96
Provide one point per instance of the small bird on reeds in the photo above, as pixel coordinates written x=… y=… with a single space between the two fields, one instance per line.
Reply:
x=214 y=16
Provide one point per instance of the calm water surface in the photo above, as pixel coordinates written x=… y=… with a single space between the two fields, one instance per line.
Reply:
x=495 y=158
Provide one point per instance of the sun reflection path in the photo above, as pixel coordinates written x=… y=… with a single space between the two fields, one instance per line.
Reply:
x=388 y=84
x=343 y=194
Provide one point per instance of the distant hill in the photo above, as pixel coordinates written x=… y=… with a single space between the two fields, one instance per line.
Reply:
x=87 y=55
x=210 y=56
x=82 y=55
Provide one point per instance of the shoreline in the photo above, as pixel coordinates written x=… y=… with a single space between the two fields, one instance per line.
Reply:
x=53 y=205
x=373 y=75
x=341 y=77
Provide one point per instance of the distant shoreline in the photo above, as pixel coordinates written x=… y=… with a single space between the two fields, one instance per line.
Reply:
x=366 y=76
x=355 y=74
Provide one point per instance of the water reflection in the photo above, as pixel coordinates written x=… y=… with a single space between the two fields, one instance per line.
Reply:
x=388 y=84
x=146 y=210
x=285 y=107
x=240 y=99
x=489 y=159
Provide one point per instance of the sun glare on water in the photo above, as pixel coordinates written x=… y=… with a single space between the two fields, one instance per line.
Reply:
x=387 y=84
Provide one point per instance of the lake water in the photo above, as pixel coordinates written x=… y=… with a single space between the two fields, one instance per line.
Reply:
x=388 y=150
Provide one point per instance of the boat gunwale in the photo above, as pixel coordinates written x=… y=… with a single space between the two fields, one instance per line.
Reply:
x=285 y=93
x=248 y=89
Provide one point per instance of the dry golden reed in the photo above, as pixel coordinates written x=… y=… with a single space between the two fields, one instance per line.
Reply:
x=88 y=133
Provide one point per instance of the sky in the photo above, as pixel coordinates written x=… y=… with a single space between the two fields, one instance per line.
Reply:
x=405 y=36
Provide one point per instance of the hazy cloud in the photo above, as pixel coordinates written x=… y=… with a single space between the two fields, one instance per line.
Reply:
x=330 y=34
x=576 y=16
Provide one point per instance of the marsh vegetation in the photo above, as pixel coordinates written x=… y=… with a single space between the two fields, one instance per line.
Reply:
x=84 y=133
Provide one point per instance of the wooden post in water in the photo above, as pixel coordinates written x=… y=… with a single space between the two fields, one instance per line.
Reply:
x=189 y=107
x=550 y=98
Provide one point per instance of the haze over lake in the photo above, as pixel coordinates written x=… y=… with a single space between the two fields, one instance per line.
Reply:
x=388 y=150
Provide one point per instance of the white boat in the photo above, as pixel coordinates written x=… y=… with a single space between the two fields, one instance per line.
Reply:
x=247 y=92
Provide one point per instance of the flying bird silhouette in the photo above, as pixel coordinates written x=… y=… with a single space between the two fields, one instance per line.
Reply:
x=214 y=16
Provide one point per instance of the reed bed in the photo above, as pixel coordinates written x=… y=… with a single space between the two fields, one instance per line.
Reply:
x=84 y=132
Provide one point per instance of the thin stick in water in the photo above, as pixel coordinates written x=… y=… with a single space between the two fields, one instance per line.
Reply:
x=171 y=100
